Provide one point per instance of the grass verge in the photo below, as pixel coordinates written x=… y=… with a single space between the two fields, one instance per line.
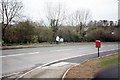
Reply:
x=107 y=63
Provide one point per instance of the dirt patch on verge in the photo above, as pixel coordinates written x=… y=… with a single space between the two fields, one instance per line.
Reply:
x=89 y=68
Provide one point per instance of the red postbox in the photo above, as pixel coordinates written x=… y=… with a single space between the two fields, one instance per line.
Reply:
x=98 y=43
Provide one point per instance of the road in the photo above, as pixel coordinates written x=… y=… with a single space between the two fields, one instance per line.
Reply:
x=17 y=60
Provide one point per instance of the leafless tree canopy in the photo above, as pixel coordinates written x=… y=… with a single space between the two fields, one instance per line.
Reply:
x=9 y=11
x=79 y=16
x=56 y=12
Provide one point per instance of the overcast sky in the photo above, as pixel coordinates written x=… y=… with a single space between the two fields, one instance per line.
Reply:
x=100 y=9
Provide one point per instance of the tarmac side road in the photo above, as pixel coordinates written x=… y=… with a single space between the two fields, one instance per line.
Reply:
x=53 y=71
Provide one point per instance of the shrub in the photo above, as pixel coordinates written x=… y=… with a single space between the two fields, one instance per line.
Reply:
x=103 y=34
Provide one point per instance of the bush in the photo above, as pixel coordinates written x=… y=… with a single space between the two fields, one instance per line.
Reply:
x=25 y=32
x=44 y=34
x=22 y=32
x=103 y=34
x=69 y=34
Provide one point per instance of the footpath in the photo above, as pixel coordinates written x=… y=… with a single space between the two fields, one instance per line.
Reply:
x=55 y=71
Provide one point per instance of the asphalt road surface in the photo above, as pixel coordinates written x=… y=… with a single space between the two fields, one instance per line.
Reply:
x=17 y=60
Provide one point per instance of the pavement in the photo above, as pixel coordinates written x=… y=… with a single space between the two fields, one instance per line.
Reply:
x=53 y=71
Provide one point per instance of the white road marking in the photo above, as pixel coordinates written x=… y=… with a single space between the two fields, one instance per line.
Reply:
x=63 y=63
x=18 y=54
x=112 y=45
x=60 y=50
x=60 y=64
x=84 y=48
x=10 y=74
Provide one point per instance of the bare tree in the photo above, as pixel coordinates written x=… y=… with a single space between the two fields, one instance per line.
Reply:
x=55 y=16
x=80 y=18
x=9 y=11
x=56 y=12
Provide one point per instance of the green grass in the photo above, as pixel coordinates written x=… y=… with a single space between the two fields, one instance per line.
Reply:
x=107 y=63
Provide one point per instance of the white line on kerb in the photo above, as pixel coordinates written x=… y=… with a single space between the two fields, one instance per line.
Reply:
x=19 y=54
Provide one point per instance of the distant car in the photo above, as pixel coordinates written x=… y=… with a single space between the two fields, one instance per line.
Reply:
x=61 y=40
